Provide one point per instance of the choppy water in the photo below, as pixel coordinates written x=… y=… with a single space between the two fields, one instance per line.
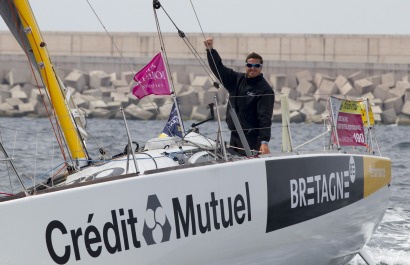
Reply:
x=35 y=151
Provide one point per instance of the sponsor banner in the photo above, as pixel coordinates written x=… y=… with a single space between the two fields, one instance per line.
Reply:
x=348 y=120
x=154 y=220
x=377 y=174
x=304 y=188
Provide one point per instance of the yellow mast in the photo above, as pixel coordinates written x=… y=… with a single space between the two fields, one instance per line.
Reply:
x=50 y=80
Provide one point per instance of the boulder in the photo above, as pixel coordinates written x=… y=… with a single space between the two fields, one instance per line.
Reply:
x=389 y=116
x=200 y=113
x=202 y=81
x=363 y=86
x=94 y=104
x=356 y=76
x=186 y=101
x=296 y=117
x=406 y=108
x=403 y=119
x=128 y=76
x=15 y=77
x=375 y=79
x=382 y=92
x=305 y=74
x=327 y=88
x=291 y=92
x=14 y=102
x=317 y=80
x=26 y=108
x=99 y=79
x=278 y=81
x=77 y=80
x=305 y=87
x=394 y=103
x=340 y=81
x=388 y=80
x=119 y=83
x=135 y=112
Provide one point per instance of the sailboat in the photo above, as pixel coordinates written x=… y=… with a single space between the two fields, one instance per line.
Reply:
x=187 y=200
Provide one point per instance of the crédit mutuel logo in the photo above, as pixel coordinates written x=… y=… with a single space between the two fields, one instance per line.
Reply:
x=124 y=231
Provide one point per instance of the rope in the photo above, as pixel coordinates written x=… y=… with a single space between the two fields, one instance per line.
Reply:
x=111 y=38
x=190 y=46
x=6 y=194
x=203 y=34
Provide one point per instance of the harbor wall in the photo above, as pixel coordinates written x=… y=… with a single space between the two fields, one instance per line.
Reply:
x=373 y=49
x=286 y=54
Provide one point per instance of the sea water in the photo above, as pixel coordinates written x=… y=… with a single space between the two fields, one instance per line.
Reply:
x=35 y=152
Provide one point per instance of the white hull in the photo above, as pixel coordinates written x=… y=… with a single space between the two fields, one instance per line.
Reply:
x=140 y=219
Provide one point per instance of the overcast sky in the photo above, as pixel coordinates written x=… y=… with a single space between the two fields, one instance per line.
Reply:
x=233 y=16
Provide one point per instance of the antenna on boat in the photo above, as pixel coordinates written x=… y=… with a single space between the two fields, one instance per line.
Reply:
x=220 y=130
x=129 y=145
x=334 y=107
x=287 y=145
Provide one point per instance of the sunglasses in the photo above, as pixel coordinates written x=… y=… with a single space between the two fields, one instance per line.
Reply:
x=256 y=65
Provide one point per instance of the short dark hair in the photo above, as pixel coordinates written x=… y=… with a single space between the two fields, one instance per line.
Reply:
x=254 y=55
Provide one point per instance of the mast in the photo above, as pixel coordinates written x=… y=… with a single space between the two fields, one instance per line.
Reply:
x=46 y=70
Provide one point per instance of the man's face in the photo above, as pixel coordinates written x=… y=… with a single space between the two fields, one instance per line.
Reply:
x=252 y=68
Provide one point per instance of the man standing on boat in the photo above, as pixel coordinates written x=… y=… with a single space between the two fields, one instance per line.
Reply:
x=250 y=96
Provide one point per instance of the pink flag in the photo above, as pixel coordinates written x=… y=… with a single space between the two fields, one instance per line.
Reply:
x=152 y=79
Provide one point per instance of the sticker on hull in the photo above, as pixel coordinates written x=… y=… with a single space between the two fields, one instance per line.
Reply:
x=304 y=188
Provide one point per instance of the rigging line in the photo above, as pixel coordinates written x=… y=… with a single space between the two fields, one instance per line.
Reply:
x=162 y=44
x=203 y=34
x=7 y=166
x=182 y=35
x=197 y=19
x=111 y=38
x=200 y=60
x=212 y=57
x=15 y=17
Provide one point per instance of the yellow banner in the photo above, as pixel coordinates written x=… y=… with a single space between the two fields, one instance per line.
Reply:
x=357 y=107
x=348 y=106
x=364 y=116
x=377 y=174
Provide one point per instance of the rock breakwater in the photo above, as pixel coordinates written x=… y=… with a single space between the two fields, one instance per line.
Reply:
x=100 y=94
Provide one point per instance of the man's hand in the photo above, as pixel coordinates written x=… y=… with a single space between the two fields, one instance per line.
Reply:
x=209 y=43
x=264 y=149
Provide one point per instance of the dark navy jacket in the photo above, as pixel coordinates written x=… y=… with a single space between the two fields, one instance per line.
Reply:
x=252 y=98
